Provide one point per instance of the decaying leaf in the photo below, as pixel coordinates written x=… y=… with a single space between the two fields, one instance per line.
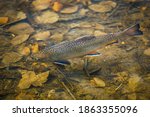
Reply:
x=41 y=78
x=133 y=82
x=30 y=78
x=19 y=39
x=11 y=57
x=3 y=20
x=57 y=6
x=25 y=51
x=27 y=78
x=35 y=48
x=21 y=28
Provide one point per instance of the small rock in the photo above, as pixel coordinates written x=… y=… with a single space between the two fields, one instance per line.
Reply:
x=21 y=28
x=41 y=4
x=69 y=10
x=147 y=52
x=99 y=33
x=41 y=35
x=3 y=20
x=47 y=17
x=99 y=82
x=104 y=6
x=11 y=57
x=19 y=39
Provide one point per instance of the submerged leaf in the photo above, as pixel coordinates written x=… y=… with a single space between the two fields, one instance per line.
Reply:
x=19 y=39
x=41 y=78
x=27 y=78
x=57 y=6
x=30 y=78
x=11 y=57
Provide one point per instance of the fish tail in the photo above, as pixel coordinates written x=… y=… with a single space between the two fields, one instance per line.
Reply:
x=133 y=30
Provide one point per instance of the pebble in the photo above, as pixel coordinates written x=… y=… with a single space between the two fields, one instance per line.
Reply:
x=99 y=82
x=47 y=17
x=69 y=10
x=3 y=20
x=43 y=35
x=21 y=28
x=19 y=39
x=41 y=4
x=104 y=6
x=11 y=57
x=147 y=52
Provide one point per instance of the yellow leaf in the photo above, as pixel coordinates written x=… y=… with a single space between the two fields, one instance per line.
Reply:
x=57 y=6
x=3 y=20
x=35 y=48
x=41 y=78
x=25 y=51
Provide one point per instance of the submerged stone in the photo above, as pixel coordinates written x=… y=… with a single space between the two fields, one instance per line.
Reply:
x=103 y=7
x=21 y=28
x=47 y=17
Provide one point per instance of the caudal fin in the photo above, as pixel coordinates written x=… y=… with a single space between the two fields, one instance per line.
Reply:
x=133 y=30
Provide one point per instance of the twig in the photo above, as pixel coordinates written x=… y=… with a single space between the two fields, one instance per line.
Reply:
x=118 y=87
x=68 y=90
x=63 y=84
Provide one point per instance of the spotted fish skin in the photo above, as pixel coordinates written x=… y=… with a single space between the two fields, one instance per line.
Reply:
x=83 y=45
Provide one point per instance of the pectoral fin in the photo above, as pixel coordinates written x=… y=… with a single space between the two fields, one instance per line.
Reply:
x=62 y=62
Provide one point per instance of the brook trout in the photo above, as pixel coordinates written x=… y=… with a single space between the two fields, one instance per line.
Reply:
x=84 y=45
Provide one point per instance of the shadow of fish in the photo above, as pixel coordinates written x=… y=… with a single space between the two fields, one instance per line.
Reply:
x=83 y=45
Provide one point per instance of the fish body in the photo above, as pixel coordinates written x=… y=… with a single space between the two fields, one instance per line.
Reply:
x=83 y=45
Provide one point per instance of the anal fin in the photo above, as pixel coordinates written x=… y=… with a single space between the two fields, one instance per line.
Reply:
x=94 y=54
